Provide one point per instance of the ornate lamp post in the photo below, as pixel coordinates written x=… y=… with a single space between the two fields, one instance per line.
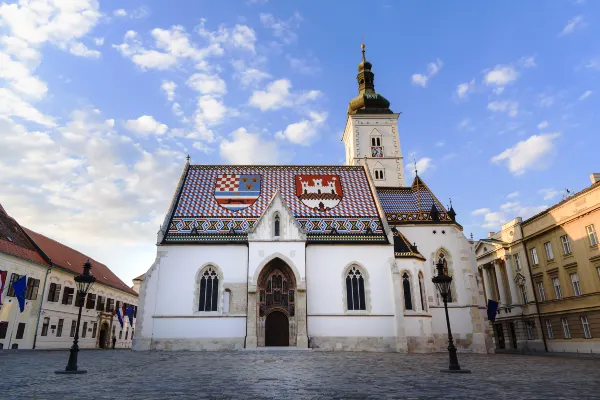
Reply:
x=442 y=283
x=84 y=284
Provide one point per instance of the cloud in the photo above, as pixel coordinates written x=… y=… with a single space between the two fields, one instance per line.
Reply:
x=512 y=195
x=20 y=78
x=146 y=125
x=464 y=88
x=543 y=125
x=500 y=76
x=239 y=37
x=277 y=95
x=249 y=76
x=549 y=194
x=533 y=153
x=546 y=100
x=493 y=220
x=81 y=50
x=244 y=147
x=465 y=125
x=432 y=69
x=585 y=95
x=282 y=29
x=424 y=164
x=303 y=132
x=593 y=64
x=575 y=24
x=207 y=84
x=169 y=88
x=480 y=211
x=210 y=111
x=12 y=105
x=99 y=41
x=509 y=107
x=527 y=62
x=120 y=13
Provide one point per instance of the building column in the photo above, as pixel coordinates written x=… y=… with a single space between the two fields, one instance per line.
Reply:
x=512 y=285
x=486 y=284
x=301 y=315
x=401 y=341
x=251 y=339
x=500 y=283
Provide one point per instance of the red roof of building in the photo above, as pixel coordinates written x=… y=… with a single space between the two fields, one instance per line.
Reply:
x=14 y=241
x=72 y=260
x=139 y=278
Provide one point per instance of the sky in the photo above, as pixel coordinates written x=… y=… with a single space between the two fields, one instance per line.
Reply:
x=100 y=102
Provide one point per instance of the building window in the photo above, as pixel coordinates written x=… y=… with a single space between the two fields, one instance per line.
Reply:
x=277 y=226
x=541 y=290
x=84 y=330
x=375 y=141
x=566 y=244
x=422 y=292
x=576 y=284
x=73 y=328
x=355 y=290
x=54 y=292
x=406 y=290
x=209 y=290
x=549 y=329
x=534 y=257
x=45 y=326
x=94 y=329
x=110 y=305
x=120 y=334
x=591 y=232
x=3 y=329
x=32 y=289
x=59 y=329
x=587 y=333
x=376 y=148
x=91 y=301
x=379 y=174
x=68 y=295
x=80 y=300
x=100 y=303
x=566 y=330
x=557 y=289
x=549 y=254
x=126 y=333
x=13 y=279
x=523 y=293
x=20 y=330
x=529 y=328
x=517 y=262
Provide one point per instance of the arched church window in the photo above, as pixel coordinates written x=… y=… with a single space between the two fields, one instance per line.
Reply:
x=422 y=292
x=276 y=224
x=406 y=290
x=379 y=174
x=209 y=290
x=355 y=290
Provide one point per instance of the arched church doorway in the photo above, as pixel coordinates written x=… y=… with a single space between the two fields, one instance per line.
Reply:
x=277 y=329
x=276 y=305
x=102 y=337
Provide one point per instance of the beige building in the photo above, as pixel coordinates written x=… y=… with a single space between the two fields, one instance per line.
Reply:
x=545 y=273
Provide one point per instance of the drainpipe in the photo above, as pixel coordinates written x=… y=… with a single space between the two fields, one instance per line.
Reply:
x=37 y=324
x=247 y=294
x=537 y=306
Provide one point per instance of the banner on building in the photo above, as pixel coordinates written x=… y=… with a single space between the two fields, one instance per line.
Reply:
x=2 y=281
x=492 y=310
x=20 y=289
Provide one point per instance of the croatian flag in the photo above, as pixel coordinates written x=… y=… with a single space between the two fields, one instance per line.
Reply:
x=2 y=281
x=120 y=315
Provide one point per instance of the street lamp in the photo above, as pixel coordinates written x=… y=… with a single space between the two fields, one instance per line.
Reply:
x=442 y=283
x=84 y=284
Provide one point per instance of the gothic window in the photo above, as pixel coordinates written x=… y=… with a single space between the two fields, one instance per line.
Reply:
x=276 y=226
x=422 y=292
x=209 y=290
x=406 y=290
x=355 y=290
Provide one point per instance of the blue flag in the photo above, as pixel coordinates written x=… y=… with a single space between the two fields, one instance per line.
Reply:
x=492 y=309
x=129 y=313
x=120 y=316
x=20 y=289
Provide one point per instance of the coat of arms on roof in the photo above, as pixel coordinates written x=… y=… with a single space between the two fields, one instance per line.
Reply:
x=237 y=191
x=319 y=192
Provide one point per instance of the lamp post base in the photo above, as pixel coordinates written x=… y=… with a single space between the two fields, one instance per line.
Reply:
x=457 y=371
x=76 y=372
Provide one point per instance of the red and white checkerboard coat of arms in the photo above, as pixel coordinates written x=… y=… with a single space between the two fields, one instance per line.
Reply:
x=319 y=192
x=237 y=191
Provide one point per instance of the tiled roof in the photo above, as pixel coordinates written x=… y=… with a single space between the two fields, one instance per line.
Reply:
x=139 y=278
x=403 y=248
x=412 y=204
x=14 y=241
x=223 y=203
x=72 y=260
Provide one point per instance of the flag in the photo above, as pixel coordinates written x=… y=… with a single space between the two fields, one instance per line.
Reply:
x=120 y=316
x=492 y=309
x=129 y=313
x=2 y=281
x=20 y=289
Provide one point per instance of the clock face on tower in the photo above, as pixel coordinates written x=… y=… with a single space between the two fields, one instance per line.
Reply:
x=376 y=151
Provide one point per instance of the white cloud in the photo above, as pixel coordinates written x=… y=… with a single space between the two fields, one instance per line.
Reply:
x=509 y=107
x=277 y=95
x=549 y=194
x=527 y=62
x=585 y=95
x=543 y=125
x=480 y=211
x=169 y=88
x=574 y=24
x=533 y=153
x=465 y=125
x=424 y=164
x=120 y=13
x=244 y=147
x=463 y=89
x=512 y=195
x=18 y=74
x=304 y=66
x=99 y=41
x=146 y=125
x=81 y=50
x=207 y=84
x=210 y=111
x=282 y=29
x=432 y=69
x=249 y=76
x=303 y=132
x=12 y=105
x=501 y=75
x=546 y=100
x=493 y=220
x=176 y=108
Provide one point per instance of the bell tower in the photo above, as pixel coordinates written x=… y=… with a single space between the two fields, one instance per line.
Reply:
x=371 y=134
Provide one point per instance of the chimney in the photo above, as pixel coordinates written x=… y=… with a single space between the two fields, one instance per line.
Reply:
x=595 y=177
x=490 y=234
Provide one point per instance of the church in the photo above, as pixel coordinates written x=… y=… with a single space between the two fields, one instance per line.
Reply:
x=324 y=257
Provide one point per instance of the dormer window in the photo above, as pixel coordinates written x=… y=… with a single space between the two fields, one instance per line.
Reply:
x=276 y=226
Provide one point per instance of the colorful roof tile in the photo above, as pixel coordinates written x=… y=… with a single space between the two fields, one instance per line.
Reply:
x=413 y=204
x=223 y=203
x=14 y=241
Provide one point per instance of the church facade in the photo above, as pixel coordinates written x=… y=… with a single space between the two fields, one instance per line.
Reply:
x=326 y=257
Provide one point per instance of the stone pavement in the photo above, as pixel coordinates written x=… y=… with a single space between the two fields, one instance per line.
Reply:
x=123 y=374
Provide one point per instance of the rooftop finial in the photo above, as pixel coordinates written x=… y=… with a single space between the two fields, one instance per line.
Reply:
x=188 y=158
x=362 y=46
x=415 y=163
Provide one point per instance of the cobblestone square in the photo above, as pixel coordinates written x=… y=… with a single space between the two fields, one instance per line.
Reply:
x=124 y=374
